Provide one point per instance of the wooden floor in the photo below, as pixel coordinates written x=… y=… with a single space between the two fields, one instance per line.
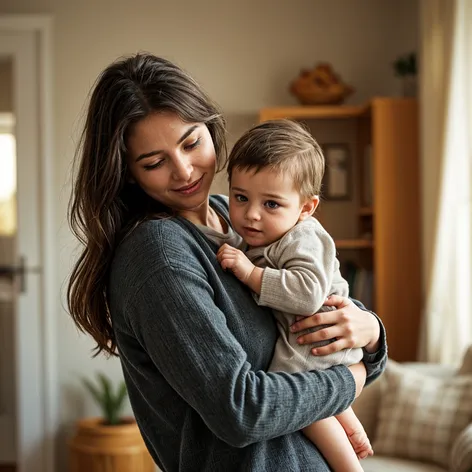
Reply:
x=7 y=468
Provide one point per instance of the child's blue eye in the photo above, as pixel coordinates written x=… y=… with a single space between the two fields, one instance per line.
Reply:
x=240 y=198
x=272 y=205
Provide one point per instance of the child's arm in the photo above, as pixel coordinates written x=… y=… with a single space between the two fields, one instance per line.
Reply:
x=235 y=260
x=306 y=270
x=303 y=271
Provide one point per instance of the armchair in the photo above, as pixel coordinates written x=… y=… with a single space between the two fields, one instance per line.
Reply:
x=419 y=418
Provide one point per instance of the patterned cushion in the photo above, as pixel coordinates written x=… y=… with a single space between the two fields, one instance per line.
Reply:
x=466 y=367
x=461 y=454
x=378 y=463
x=421 y=416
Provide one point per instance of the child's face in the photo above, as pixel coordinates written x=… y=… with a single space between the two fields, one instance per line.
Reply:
x=263 y=206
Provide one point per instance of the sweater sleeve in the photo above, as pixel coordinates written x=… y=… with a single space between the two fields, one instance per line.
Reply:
x=375 y=362
x=175 y=318
x=303 y=268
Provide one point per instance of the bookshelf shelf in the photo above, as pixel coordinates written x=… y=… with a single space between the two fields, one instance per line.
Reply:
x=354 y=244
x=366 y=211
x=314 y=112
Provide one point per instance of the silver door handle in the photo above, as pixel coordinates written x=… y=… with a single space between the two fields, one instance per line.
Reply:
x=18 y=271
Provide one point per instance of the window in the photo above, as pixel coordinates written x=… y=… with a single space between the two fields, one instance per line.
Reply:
x=7 y=175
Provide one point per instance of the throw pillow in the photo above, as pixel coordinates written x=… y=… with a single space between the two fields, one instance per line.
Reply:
x=420 y=416
x=461 y=453
x=466 y=367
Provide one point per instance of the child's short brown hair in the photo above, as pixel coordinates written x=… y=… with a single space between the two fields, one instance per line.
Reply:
x=284 y=146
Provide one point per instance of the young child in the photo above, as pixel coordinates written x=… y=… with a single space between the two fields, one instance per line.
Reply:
x=275 y=172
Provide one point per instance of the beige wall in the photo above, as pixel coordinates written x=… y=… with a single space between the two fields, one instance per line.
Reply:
x=244 y=53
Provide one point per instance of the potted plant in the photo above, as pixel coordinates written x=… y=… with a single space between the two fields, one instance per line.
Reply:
x=111 y=442
x=405 y=67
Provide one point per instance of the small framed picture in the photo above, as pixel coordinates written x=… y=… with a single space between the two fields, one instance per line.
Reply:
x=337 y=178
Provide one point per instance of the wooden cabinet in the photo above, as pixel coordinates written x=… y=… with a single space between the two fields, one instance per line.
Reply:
x=378 y=227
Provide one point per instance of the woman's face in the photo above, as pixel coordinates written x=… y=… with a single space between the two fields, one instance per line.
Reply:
x=172 y=161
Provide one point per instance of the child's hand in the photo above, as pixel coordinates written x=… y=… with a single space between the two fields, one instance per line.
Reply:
x=236 y=261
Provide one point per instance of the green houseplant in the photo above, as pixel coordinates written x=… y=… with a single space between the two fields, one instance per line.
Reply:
x=111 y=401
x=406 y=65
x=406 y=68
x=111 y=442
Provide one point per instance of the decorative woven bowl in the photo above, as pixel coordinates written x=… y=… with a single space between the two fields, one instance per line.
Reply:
x=321 y=97
x=320 y=86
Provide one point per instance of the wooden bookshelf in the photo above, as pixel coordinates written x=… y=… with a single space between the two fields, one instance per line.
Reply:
x=366 y=211
x=354 y=243
x=314 y=112
x=387 y=130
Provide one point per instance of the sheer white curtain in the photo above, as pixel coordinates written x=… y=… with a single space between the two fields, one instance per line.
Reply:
x=447 y=145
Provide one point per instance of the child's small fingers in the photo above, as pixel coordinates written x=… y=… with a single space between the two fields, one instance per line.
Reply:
x=227 y=263
x=228 y=249
x=221 y=256
x=224 y=254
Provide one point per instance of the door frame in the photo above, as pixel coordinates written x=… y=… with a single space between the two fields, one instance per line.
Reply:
x=48 y=392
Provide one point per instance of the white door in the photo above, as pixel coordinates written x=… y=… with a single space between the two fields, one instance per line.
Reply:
x=21 y=362
x=8 y=226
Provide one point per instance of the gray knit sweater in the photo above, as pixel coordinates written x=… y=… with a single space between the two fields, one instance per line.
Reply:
x=195 y=348
x=300 y=271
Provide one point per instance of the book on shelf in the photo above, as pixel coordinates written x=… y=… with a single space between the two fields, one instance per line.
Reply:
x=361 y=283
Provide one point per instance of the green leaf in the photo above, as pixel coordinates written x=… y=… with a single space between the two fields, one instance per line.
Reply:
x=96 y=394
x=405 y=65
x=110 y=402
x=107 y=398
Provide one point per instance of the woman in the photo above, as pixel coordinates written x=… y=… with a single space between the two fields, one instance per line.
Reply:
x=193 y=344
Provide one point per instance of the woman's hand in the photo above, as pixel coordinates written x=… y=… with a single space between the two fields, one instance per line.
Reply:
x=360 y=374
x=351 y=326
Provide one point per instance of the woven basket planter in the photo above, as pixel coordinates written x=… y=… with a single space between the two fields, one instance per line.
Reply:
x=97 y=447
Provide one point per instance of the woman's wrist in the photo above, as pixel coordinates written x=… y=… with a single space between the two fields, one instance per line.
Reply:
x=374 y=344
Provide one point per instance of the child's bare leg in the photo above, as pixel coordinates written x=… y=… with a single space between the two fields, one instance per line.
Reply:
x=330 y=438
x=356 y=433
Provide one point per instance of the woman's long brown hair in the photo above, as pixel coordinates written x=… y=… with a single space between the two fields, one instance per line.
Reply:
x=104 y=207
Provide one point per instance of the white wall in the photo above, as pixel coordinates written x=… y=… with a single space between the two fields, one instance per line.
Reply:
x=244 y=52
